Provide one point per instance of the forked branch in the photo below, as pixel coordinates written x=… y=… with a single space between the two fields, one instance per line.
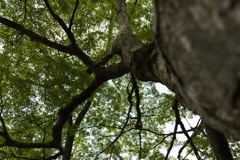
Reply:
x=178 y=121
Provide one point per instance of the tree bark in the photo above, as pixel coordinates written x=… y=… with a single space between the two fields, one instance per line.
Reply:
x=197 y=57
x=218 y=143
x=199 y=42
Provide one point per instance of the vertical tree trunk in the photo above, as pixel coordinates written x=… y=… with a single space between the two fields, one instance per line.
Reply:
x=199 y=41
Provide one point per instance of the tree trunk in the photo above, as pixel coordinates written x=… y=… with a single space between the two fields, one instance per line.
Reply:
x=197 y=57
x=199 y=42
x=218 y=143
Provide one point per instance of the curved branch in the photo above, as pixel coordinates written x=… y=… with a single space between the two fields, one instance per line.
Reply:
x=198 y=127
x=35 y=37
x=57 y=18
x=77 y=51
x=73 y=49
x=136 y=89
x=67 y=110
x=122 y=130
x=178 y=120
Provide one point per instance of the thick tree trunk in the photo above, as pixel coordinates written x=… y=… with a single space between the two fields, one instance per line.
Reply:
x=218 y=143
x=199 y=41
x=197 y=78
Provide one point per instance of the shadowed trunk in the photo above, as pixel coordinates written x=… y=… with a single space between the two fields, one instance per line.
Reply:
x=199 y=41
x=196 y=55
x=218 y=143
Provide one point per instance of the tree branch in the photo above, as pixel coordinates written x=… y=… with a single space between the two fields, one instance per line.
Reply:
x=73 y=14
x=175 y=103
x=35 y=37
x=25 y=12
x=122 y=130
x=78 y=52
x=178 y=120
x=187 y=142
x=58 y=19
x=67 y=110
x=71 y=133
x=73 y=49
x=218 y=143
x=140 y=139
x=122 y=17
x=136 y=89
x=135 y=3
x=105 y=58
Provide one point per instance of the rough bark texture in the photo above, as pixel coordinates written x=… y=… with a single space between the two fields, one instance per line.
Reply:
x=197 y=57
x=218 y=143
x=199 y=41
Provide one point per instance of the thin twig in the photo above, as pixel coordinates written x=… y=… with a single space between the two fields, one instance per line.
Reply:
x=135 y=3
x=174 y=105
x=122 y=130
x=25 y=12
x=73 y=14
x=178 y=119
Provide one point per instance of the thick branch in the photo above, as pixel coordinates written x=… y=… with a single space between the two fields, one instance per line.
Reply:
x=71 y=134
x=122 y=17
x=67 y=110
x=218 y=143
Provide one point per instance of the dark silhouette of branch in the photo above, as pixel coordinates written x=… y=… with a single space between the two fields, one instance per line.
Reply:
x=160 y=142
x=140 y=141
x=73 y=14
x=178 y=121
x=71 y=134
x=169 y=134
x=105 y=58
x=57 y=18
x=187 y=155
x=175 y=103
x=135 y=3
x=198 y=127
x=136 y=89
x=25 y=12
x=77 y=51
x=58 y=154
x=128 y=114
x=35 y=37
x=45 y=54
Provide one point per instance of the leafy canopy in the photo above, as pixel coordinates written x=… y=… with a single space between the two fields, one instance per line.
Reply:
x=36 y=81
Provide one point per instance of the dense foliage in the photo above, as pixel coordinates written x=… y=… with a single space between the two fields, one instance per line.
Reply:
x=36 y=81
